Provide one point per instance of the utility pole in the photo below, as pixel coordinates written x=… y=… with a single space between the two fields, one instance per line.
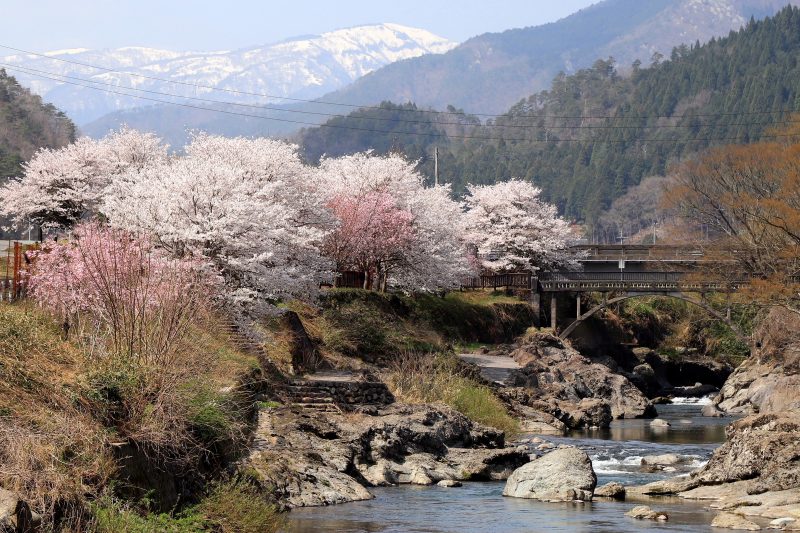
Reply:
x=436 y=165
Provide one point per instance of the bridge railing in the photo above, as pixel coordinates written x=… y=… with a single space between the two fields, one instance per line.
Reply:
x=631 y=252
x=513 y=280
x=612 y=276
x=634 y=281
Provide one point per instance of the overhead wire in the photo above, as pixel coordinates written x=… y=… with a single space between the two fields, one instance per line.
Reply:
x=359 y=106
x=33 y=72
x=114 y=89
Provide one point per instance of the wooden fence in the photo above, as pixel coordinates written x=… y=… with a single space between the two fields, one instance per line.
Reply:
x=349 y=280
x=514 y=280
x=13 y=264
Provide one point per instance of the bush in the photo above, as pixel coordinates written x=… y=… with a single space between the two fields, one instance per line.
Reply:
x=237 y=507
x=374 y=326
x=230 y=507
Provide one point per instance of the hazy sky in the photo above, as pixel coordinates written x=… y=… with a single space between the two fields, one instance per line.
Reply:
x=226 y=24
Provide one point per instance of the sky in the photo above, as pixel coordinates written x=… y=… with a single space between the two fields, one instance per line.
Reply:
x=203 y=25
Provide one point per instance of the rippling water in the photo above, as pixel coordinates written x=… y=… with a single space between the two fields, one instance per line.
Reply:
x=477 y=507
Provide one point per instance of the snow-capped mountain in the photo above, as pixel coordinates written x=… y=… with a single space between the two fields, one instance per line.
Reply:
x=304 y=67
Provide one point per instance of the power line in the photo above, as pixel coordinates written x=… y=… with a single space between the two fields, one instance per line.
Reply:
x=357 y=106
x=411 y=133
x=34 y=72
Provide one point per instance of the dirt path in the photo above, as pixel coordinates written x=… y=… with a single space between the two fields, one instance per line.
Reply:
x=493 y=367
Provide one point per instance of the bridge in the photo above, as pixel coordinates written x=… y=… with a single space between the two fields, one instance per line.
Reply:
x=621 y=272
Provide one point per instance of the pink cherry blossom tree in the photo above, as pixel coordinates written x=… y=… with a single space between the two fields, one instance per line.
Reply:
x=118 y=283
x=423 y=228
x=372 y=237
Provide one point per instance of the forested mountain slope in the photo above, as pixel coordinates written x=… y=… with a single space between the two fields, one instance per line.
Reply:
x=728 y=90
x=27 y=124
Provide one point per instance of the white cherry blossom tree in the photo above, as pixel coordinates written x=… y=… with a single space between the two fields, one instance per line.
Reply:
x=244 y=205
x=61 y=186
x=512 y=228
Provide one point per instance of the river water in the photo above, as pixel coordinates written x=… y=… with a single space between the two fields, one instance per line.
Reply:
x=480 y=507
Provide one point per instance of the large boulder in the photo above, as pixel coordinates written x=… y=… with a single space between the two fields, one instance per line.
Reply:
x=643 y=512
x=762 y=448
x=591 y=412
x=769 y=380
x=565 y=474
x=611 y=490
x=734 y=521
x=554 y=370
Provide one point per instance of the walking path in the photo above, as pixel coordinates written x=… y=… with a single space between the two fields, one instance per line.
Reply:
x=495 y=368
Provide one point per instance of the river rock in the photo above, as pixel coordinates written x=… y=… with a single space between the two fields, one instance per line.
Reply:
x=486 y=464
x=565 y=474
x=667 y=459
x=380 y=474
x=643 y=512
x=734 y=521
x=612 y=490
x=555 y=370
x=313 y=458
x=591 y=412
x=449 y=483
x=711 y=410
x=780 y=523
x=645 y=371
x=659 y=423
x=769 y=380
x=760 y=447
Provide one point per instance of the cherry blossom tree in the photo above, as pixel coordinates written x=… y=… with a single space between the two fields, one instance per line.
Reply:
x=60 y=187
x=124 y=286
x=246 y=206
x=513 y=228
x=425 y=251
x=373 y=235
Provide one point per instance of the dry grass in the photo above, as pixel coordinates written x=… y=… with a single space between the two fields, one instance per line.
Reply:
x=437 y=378
x=483 y=297
x=62 y=403
x=51 y=450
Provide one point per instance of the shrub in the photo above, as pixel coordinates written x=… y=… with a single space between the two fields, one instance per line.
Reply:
x=230 y=507
x=237 y=507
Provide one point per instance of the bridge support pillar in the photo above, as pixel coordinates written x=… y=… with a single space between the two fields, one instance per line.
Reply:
x=553 y=312
x=536 y=305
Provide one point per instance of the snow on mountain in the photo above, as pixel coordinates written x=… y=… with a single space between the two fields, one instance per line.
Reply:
x=304 y=67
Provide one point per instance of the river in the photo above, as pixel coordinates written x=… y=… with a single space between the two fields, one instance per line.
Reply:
x=480 y=507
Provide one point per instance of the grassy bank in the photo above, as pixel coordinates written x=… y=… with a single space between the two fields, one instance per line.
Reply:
x=375 y=327
x=673 y=326
x=440 y=378
x=409 y=340
x=66 y=412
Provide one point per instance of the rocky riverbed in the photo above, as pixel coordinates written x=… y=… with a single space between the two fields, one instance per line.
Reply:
x=755 y=474
x=315 y=458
